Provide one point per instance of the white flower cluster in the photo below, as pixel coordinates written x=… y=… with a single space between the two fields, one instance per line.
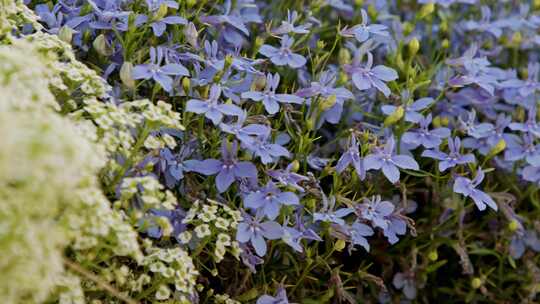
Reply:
x=171 y=268
x=148 y=191
x=214 y=227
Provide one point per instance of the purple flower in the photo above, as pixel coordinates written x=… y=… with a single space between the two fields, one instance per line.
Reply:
x=396 y=226
x=376 y=211
x=425 y=137
x=453 y=158
x=269 y=97
x=362 y=31
x=476 y=130
x=244 y=133
x=253 y=231
x=365 y=76
x=159 y=26
x=485 y=24
x=280 y=298
x=358 y=232
x=228 y=169
x=527 y=150
x=161 y=74
x=523 y=239
x=529 y=86
x=211 y=108
x=288 y=26
x=388 y=161
x=270 y=199
x=411 y=111
x=352 y=155
x=154 y=5
x=467 y=187
x=267 y=151
x=325 y=88
x=407 y=283
x=327 y=214
x=287 y=177
x=530 y=126
x=531 y=174
x=283 y=55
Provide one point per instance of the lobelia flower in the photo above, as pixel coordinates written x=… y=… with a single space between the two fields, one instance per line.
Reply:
x=160 y=25
x=467 y=188
x=211 y=108
x=352 y=155
x=530 y=126
x=288 y=26
x=386 y=159
x=527 y=150
x=108 y=14
x=269 y=200
x=269 y=97
x=453 y=158
x=280 y=298
x=365 y=76
x=252 y=230
x=411 y=111
x=425 y=137
x=325 y=88
x=523 y=239
x=476 y=130
x=287 y=177
x=375 y=211
x=248 y=258
x=161 y=74
x=405 y=282
x=154 y=5
x=475 y=71
x=358 y=232
x=396 y=226
x=529 y=86
x=531 y=174
x=447 y=3
x=283 y=55
x=362 y=31
x=485 y=25
x=244 y=133
x=267 y=151
x=498 y=133
x=232 y=23
x=328 y=214
x=228 y=169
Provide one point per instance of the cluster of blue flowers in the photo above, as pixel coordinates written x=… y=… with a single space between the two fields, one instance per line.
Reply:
x=333 y=122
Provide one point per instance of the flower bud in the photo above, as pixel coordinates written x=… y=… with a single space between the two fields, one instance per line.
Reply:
x=191 y=3
x=320 y=44
x=327 y=103
x=65 y=34
x=498 y=148
x=126 y=75
x=259 y=41
x=344 y=56
x=161 y=12
x=295 y=166
x=339 y=245
x=228 y=61
x=517 y=38
x=101 y=46
x=186 y=85
x=433 y=255
x=408 y=28
x=445 y=43
x=476 y=283
x=536 y=4
x=414 y=46
x=394 y=117
x=191 y=34
x=426 y=10
x=513 y=225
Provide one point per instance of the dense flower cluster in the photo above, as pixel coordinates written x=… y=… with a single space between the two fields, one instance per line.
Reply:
x=230 y=151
